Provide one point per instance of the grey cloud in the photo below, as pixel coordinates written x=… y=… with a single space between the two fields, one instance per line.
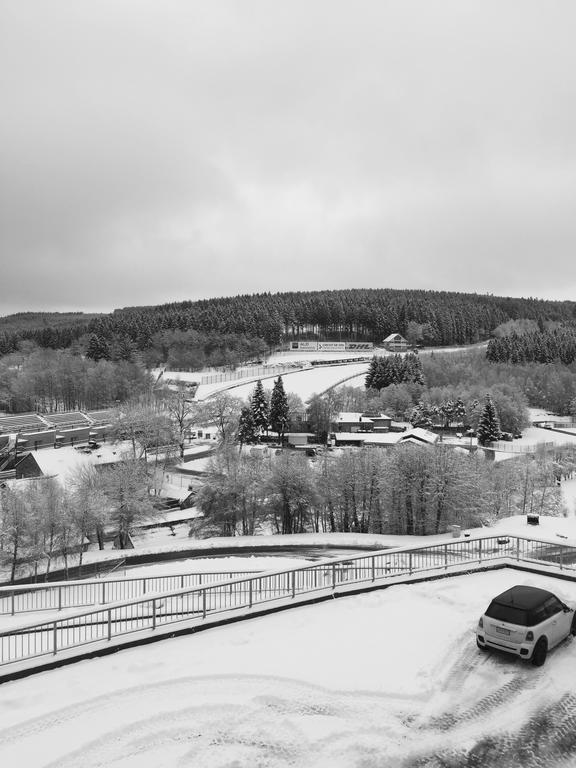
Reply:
x=160 y=151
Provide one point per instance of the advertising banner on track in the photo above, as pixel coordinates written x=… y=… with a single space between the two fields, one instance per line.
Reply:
x=332 y=346
x=306 y=346
x=359 y=345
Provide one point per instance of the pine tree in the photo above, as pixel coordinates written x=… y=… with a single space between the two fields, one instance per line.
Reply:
x=97 y=348
x=489 y=424
x=246 y=433
x=260 y=409
x=422 y=416
x=371 y=375
x=413 y=368
x=448 y=412
x=459 y=411
x=279 y=409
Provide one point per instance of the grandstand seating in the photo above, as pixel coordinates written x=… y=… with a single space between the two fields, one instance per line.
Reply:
x=68 y=420
x=34 y=424
x=101 y=417
x=23 y=422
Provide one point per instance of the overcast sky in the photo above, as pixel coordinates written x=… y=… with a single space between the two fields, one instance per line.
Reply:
x=160 y=150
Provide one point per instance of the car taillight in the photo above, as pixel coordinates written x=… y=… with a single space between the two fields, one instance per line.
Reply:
x=530 y=636
x=481 y=622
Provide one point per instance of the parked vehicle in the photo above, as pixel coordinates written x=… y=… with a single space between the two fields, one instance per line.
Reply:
x=527 y=622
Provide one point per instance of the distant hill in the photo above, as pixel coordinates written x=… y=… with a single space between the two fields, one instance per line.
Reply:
x=424 y=317
x=27 y=320
x=47 y=329
x=433 y=317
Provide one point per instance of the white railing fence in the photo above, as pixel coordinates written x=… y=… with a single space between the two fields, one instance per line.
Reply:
x=57 y=596
x=213 y=601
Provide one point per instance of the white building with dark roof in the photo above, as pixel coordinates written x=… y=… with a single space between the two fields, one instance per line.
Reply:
x=395 y=343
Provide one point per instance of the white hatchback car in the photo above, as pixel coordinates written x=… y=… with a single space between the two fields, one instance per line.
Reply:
x=525 y=621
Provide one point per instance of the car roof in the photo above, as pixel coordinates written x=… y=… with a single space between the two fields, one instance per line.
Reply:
x=525 y=598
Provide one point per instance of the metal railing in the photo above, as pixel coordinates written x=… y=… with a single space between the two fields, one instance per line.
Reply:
x=510 y=447
x=247 y=373
x=96 y=569
x=58 y=596
x=208 y=603
x=567 y=423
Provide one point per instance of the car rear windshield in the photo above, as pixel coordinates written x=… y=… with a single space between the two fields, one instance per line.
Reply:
x=508 y=613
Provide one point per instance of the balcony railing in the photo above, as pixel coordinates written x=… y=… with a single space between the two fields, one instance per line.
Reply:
x=189 y=607
x=57 y=596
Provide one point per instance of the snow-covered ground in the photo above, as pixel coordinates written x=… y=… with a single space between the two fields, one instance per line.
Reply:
x=305 y=356
x=378 y=680
x=67 y=459
x=219 y=564
x=569 y=494
x=304 y=383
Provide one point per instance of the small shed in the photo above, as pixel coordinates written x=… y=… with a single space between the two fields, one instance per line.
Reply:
x=295 y=439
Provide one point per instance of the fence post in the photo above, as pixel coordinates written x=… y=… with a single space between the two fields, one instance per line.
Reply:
x=103 y=600
x=203 y=603
x=109 y=624
x=59 y=598
x=250 y=594
x=517 y=548
x=445 y=556
x=154 y=614
x=410 y=563
x=333 y=576
x=480 y=551
x=182 y=581
x=293 y=578
x=373 y=568
x=13 y=602
x=561 y=557
x=55 y=638
x=144 y=586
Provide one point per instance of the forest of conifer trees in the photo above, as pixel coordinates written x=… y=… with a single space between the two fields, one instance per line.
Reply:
x=424 y=317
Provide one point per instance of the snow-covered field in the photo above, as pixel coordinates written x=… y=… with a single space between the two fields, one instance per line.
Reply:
x=389 y=678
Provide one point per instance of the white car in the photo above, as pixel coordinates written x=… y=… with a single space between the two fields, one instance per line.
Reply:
x=525 y=621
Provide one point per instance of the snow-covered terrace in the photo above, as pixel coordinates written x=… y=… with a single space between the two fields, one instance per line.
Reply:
x=379 y=679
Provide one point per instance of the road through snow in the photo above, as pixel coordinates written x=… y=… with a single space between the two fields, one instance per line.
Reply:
x=389 y=678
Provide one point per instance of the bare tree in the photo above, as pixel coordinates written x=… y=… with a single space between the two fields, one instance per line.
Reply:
x=144 y=424
x=126 y=486
x=89 y=506
x=182 y=411
x=223 y=412
x=14 y=527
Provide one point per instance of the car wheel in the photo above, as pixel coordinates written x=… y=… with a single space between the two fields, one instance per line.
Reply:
x=540 y=652
x=573 y=625
x=479 y=644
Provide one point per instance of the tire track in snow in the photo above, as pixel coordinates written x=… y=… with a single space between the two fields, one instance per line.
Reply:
x=546 y=740
x=175 y=722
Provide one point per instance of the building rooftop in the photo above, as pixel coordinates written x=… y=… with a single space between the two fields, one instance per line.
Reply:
x=355 y=417
x=395 y=337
